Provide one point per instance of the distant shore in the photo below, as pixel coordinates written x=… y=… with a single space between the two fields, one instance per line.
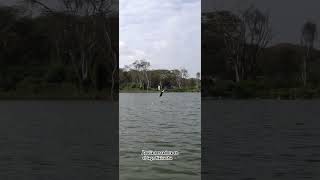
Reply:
x=63 y=94
x=156 y=91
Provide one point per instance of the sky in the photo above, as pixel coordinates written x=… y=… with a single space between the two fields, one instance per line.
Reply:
x=167 y=33
x=287 y=16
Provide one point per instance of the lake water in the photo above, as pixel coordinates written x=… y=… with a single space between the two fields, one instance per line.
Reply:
x=256 y=139
x=42 y=140
x=148 y=122
x=260 y=139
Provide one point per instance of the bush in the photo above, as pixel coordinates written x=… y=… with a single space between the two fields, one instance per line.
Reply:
x=221 y=88
x=249 y=89
x=307 y=93
x=7 y=83
x=30 y=85
x=56 y=73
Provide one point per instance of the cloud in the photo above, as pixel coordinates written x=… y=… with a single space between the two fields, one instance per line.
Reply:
x=130 y=55
x=166 y=32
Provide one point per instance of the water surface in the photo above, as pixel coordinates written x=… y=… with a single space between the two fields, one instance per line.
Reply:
x=148 y=122
x=260 y=139
x=58 y=140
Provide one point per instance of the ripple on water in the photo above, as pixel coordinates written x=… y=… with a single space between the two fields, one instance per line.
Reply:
x=168 y=123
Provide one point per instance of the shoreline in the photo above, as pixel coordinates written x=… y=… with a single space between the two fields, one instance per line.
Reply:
x=156 y=91
x=159 y=92
x=56 y=99
x=256 y=99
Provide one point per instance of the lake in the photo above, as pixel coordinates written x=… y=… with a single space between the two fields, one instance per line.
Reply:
x=58 y=140
x=260 y=139
x=149 y=122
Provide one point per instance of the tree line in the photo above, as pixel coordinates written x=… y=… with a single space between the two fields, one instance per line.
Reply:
x=65 y=52
x=239 y=61
x=139 y=76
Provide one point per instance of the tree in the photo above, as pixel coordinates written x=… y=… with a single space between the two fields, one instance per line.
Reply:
x=145 y=67
x=234 y=38
x=178 y=76
x=308 y=35
x=85 y=36
x=184 y=75
x=198 y=79
x=8 y=18
x=130 y=77
x=138 y=66
x=257 y=36
x=214 y=54
x=238 y=40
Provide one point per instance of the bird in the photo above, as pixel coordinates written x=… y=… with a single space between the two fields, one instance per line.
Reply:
x=161 y=93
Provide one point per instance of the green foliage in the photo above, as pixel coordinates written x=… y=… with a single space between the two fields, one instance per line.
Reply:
x=244 y=90
x=221 y=88
x=56 y=74
x=42 y=52
x=275 y=71
x=30 y=85
x=172 y=80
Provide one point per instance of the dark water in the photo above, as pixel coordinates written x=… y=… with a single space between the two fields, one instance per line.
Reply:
x=171 y=122
x=57 y=140
x=256 y=139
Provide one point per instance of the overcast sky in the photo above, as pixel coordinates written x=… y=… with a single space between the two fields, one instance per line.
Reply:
x=167 y=33
x=287 y=16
